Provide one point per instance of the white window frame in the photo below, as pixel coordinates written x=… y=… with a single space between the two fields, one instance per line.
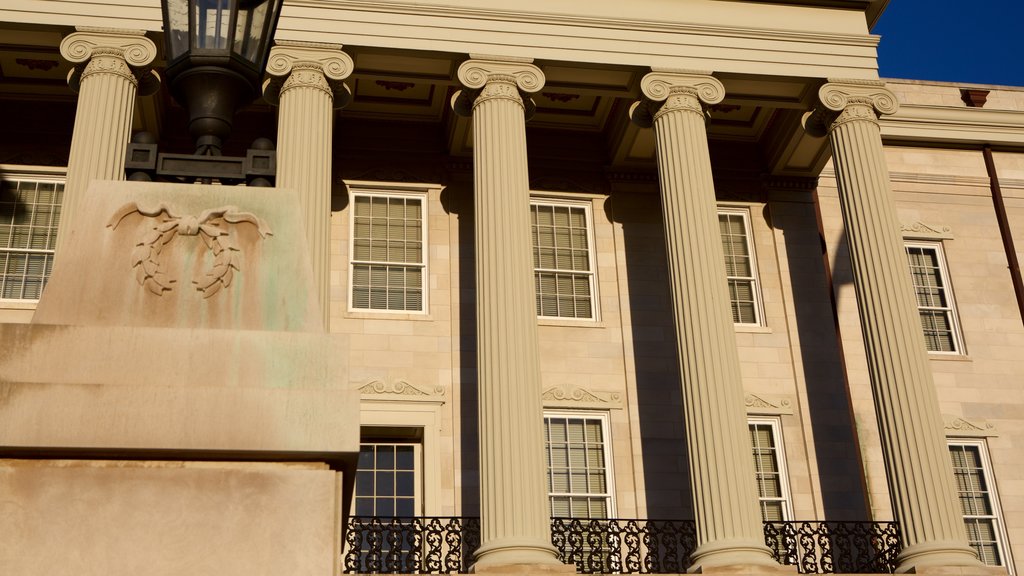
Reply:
x=390 y=190
x=954 y=320
x=608 y=459
x=417 y=445
x=56 y=175
x=754 y=278
x=775 y=424
x=539 y=199
x=1002 y=540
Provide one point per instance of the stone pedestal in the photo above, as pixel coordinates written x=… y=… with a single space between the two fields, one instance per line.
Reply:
x=729 y=528
x=919 y=471
x=306 y=82
x=514 y=518
x=175 y=405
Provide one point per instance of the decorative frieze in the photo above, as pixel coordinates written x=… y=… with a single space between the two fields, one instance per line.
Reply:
x=926 y=231
x=402 y=390
x=769 y=404
x=577 y=397
x=971 y=428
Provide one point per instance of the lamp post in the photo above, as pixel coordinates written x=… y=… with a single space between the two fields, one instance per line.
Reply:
x=216 y=51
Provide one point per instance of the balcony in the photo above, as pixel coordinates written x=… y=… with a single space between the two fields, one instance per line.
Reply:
x=439 y=545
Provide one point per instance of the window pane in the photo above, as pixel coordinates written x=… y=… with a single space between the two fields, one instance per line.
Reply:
x=561 y=258
x=933 y=299
x=767 y=471
x=577 y=467
x=29 y=217
x=739 y=267
x=387 y=253
x=976 y=502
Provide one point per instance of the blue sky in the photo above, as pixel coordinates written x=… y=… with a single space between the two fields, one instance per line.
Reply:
x=971 y=41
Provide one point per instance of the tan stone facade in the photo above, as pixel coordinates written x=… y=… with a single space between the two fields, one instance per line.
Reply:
x=557 y=105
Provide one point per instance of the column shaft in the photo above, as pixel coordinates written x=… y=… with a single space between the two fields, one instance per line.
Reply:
x=729 y=527
x=515 y=522
x=920 y=474
x=307 y=79
x=103 y=118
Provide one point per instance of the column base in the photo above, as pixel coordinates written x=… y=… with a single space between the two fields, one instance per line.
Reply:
x=937 y=557
x=734 y=557
x=519 y=556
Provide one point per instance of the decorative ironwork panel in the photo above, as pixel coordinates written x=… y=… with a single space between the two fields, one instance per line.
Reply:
x=625 y=546
x=819 y=547
x=424 y=545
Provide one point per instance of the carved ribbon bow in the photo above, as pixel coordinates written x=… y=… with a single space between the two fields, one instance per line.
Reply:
x=149 y=271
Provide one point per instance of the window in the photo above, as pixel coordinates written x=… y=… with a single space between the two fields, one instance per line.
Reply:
x=387 y=480
x=740 y=266
x=563 y=259
x=388 y=252
x=29 y=216
x=978 y=501
x=578 y=474
x=772 y=484
x=934 y=299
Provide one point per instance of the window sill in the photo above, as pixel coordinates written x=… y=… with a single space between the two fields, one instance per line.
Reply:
x=384 y=315
x=752 y=329
x=570 y=323
x=940 y=357
x=18 y=304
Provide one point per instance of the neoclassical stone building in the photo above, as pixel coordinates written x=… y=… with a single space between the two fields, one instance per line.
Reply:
x=690 y=260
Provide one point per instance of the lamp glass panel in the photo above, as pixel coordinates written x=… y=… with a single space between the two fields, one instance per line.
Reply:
x=211 y=24
x=250 y=29
x=176 y=27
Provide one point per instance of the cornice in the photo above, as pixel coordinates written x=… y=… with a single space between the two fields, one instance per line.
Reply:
x=954 y=125
x=638 y=25
x=942 y=179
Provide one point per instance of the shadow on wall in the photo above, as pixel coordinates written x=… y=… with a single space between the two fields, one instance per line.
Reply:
x=833 y=430
x=659 y=396
x=459 y=200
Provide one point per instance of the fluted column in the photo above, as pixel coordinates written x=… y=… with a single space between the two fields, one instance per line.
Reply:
x=920 y=474
x=729 y=528
x=109 y=65
x=306 y=82
x=515 y=522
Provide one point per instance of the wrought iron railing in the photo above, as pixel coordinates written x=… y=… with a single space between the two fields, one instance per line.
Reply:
x=423 y=545
x=820 y=547
x=441 y=545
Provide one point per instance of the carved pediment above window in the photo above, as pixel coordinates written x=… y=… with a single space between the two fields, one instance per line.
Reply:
x=773 y=404
x=929 y=231
x=576 y=397
x=962 y=427
x=401 y=390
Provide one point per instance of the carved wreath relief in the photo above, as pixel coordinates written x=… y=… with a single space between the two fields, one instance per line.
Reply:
x=212 y=226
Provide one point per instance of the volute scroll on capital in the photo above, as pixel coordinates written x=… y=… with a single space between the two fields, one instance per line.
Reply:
x=485 y=79
x=314 y=64
x=848 y=100
x=666 y=91
x=126 y=53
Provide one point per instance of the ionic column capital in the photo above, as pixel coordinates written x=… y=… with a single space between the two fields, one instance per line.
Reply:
x=316 y=65
x=667 y=91
x=125 y=53
x=841 y=101
x=488 y=79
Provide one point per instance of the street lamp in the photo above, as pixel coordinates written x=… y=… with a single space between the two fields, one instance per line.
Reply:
x=216 y=52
